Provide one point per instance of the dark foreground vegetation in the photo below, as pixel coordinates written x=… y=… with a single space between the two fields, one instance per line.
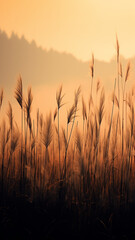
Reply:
x=74 y=182
x=23 y=219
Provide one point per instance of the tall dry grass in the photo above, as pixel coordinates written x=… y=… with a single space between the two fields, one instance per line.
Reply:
x=80 y=163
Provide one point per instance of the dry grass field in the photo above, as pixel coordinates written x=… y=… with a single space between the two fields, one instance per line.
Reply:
x=74 y=181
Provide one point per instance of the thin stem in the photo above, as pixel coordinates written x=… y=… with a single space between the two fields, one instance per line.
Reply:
x=59 y=144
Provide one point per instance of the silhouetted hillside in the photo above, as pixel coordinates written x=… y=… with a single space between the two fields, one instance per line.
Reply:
x=39 y=66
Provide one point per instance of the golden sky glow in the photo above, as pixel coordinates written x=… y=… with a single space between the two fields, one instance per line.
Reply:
x=75 y=26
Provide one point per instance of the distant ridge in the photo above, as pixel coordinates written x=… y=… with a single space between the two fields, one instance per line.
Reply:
x=36 y=65
x=41 y=67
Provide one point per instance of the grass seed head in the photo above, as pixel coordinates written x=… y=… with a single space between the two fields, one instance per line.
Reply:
x=127 y=71
x=1 y=98
x=71 y=114
x=47 y=131
x=59 y=97
x=19 y=91
x=84 y=111
x=118 y=48
x=10 y=116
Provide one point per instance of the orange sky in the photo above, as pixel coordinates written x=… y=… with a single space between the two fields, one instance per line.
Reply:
x=75 y=26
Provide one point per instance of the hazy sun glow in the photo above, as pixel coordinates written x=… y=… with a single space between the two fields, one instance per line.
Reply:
x=75 y=26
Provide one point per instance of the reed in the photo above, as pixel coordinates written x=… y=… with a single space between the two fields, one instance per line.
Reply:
x=118 y=65
x=5 y=135
x=59 y=98
x=100 y=118
x=72 y=116
x=1 y=98
x=46 y=139
x=10 y=117
x=27 y=106
x=19 y=97
x=84 y=112
x=92 y=73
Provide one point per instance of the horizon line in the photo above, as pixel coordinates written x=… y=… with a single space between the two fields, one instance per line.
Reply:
x=13 y=33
